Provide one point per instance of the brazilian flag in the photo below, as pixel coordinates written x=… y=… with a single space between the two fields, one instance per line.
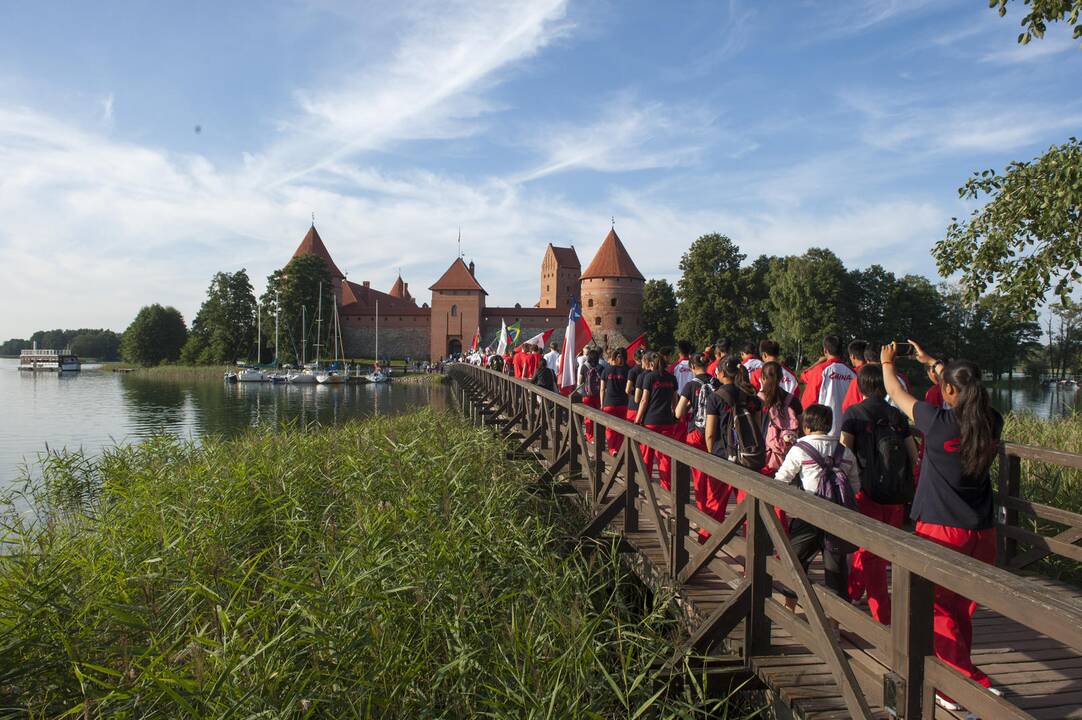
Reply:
x=514 y=332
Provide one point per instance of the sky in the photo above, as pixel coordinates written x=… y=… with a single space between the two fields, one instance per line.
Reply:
x=146 y=146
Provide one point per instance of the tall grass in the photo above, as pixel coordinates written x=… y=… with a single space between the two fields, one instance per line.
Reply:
x=398 y=567
x=1050 y=484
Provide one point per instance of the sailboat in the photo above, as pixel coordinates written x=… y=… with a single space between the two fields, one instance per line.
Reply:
x=304 y=376
x=251 y=374
x=379 y=374
x=332 y=377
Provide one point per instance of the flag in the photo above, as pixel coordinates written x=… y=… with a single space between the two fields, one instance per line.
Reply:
x=575 y=338
x=638 y=342
x=539 y=339
x=476 y=344
x=501 y=347
x=513 y=332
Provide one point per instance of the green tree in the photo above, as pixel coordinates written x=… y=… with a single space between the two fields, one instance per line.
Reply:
x=14 y=346
x=1025 y=241
x=224 y=328
x=711 y=291
x=806 y=301
x=98 y=344
x=290 y=289
x=156 y=335
x=757 y=295
x=659 y=313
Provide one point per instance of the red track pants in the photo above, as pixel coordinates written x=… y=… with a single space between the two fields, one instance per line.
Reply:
x=869 y=572
x=711 y=494
x=588 y=424
x=613 y=439
x=954 y=613
x=664 y=462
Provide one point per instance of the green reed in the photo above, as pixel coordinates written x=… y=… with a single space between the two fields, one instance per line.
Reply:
x=395 y=567
x=1050 y=484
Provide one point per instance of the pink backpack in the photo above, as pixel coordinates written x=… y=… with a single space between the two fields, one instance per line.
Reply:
x=782 y=431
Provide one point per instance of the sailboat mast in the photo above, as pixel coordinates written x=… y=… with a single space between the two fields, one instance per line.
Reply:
x=258 y=334
x=319 y=322
x=377 y=332
x=304 y=339
x=277 y=310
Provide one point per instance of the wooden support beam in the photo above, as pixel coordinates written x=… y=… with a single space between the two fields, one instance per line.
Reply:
x=604 y=516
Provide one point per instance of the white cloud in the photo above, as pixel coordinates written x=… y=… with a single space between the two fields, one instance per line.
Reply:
x=1037 y=49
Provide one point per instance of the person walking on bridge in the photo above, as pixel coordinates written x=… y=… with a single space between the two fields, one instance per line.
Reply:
x=953 y=505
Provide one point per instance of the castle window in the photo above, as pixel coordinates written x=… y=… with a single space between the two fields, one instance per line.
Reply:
x=454 y=310
x=590 y=303
x=613 y=302
x=619 y=320
x=548 y=288
x=597 y=321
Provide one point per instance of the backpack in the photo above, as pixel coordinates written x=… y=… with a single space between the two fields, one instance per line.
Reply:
x=698 y=414
x=591 y=380
x=746 y=432
x=833 y=487
x=887 y=475
x=781 y=432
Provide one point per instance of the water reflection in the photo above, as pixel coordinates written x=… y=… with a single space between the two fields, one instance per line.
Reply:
x=95 y=409
x=1029 y=396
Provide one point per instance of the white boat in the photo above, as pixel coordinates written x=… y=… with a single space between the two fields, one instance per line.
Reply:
x=230 y=377
x=303 y=377
x=251 y=375
x=330 y=378
x=380 y=376
x=48 y=360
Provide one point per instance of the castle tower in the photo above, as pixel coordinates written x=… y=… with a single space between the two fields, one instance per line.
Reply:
x=560 y=270
x=612 y=294
x=401 y=290
x=457 y=303
x=312 y=244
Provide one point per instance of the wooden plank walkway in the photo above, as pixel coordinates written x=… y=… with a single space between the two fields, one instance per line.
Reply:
x=1031 y=648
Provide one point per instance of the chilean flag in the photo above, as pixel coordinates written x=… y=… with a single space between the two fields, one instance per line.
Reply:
x=539 y=339
x=575 y=339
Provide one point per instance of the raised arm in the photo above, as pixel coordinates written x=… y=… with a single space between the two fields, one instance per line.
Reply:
x=897 y=392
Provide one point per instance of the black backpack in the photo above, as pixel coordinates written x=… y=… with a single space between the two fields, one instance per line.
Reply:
x=746 y=433
x=886 y=469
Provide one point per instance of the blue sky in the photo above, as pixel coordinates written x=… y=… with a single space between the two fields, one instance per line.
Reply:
x=848 y=125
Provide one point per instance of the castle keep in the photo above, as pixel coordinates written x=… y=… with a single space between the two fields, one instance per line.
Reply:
x=610 y=292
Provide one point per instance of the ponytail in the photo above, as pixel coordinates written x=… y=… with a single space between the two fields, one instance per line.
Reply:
x=737 y=373
x=973 y=411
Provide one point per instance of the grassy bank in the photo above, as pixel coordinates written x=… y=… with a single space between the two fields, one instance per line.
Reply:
x=172 y=372
x=398 y=567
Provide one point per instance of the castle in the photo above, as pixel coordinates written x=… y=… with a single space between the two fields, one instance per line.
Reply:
x=610 y=291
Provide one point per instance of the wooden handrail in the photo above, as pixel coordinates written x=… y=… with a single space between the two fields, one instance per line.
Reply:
x=919 y=564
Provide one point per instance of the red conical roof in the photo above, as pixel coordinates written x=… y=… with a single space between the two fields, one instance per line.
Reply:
x=457 y=277
x=312 y=244
x=612 y=260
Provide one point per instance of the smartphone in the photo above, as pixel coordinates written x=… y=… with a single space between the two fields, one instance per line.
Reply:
x=905 y=349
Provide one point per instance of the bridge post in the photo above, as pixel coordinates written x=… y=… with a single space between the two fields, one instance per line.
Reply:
x=574 y=429
x=631 y=497
x=757 y=624
x=912 y=640
x=599 y=463
x=680 y=526
x=1009 y=481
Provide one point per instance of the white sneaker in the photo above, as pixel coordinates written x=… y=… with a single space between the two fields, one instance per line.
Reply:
x=996 y=691
x=946 y=703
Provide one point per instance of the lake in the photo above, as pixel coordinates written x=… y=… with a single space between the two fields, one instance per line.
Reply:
x=93 y=409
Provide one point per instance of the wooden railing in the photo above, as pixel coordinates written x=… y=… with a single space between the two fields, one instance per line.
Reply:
x=1016 y=512
x=751 y=552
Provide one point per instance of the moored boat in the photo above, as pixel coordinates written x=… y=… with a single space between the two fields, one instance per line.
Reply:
x=39 y=360
x=251 y=375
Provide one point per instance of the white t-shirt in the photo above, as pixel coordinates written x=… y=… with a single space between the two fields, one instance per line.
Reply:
x=551 y=358
x=754 y=363
x=799 y=463
x=683 y=374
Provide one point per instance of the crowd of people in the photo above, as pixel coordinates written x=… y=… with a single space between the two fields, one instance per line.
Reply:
x=846 y=428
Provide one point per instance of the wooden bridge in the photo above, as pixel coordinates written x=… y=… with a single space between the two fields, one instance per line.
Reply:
x=1027 y=631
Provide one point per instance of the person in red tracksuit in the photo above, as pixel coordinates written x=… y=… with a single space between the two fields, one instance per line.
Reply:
x=692 y=405
x=655 y=412
x=954 y=501
x=614 y=396
x=863 y=427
